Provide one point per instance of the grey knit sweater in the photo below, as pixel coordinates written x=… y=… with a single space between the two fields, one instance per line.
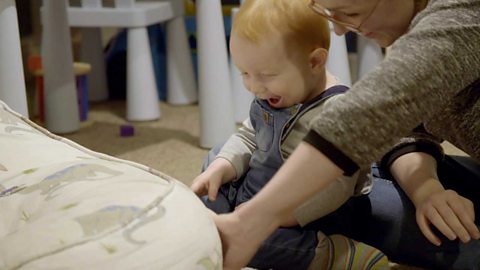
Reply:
x=431 y=75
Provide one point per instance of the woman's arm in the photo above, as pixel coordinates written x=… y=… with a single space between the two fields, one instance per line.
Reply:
x=452 y=214
x=413 y=84
x=306 y=172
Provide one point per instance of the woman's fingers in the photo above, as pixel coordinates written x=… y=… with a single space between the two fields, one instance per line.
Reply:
x=466 y=213
x=452 y=220
x=436 y=219
x=424 y=226
x=452 y=214
x=464 y=222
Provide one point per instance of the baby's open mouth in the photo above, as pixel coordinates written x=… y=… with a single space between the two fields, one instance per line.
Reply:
x=273 y=101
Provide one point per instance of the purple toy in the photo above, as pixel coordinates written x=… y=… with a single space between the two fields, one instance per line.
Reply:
x=127 y=130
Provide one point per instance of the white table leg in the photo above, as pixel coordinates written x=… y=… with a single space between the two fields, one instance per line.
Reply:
x=61 y=107
x=216 y=106
x=181 y=85
x=242 y=98
x=12 y=81
x=91 y=51
x=142 y=95
x=337 y=62
x=369 y=55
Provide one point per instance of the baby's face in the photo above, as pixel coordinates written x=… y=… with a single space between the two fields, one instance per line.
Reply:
x=271 y=73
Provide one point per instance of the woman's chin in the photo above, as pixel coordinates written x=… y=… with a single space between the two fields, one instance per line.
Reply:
x=384 y=40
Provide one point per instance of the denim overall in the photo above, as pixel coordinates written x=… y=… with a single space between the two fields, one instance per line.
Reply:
x=268 y=124
x=287 y=248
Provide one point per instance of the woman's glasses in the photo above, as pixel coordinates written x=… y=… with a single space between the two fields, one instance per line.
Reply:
x=329 y=15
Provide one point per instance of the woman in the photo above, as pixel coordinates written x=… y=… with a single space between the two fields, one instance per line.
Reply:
x=430 y=76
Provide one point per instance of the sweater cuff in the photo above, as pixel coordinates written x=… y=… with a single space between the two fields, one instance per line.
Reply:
x=348 y=166
x=424 y=147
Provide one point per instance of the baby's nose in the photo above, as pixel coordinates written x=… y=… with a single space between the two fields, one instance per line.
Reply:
x=258 y=90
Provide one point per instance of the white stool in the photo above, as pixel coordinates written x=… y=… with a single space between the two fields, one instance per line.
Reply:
x=216 y=107
x=91 y=51
x=181 y=82
x=337 y=63
x=242 y=98
x=142 y=96
x=12 y=81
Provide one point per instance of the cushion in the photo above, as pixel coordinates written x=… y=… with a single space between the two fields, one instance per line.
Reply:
x=63 y=206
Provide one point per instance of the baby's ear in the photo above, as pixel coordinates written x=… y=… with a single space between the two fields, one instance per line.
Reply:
x=318 y=59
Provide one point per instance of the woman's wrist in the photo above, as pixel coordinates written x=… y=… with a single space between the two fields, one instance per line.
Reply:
x=416 y=174
x=258 y=220
x=424 y=190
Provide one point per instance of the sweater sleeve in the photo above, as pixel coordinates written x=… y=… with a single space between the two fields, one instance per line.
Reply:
x=423 y=71
x=239 y=147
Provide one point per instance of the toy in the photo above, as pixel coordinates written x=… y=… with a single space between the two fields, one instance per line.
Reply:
x=127 y=130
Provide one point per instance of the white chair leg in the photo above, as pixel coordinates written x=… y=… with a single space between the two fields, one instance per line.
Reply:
x=61 y=107
x=216 y=107
x=181 y=85
x=142 y=95
x=91 y=52
x=242 y=98
x=92 y=3
x=12 y=81
x=337 y=62
x=369 y=55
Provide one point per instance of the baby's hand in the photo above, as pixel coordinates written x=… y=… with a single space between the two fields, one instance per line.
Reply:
x=452 y=214
x=219 y=172
x=207 y=183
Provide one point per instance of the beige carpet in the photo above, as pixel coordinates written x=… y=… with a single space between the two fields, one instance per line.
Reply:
x=170 y=144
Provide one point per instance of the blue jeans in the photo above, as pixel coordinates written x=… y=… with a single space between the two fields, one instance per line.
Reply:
x=292 y=247
x=392 y=227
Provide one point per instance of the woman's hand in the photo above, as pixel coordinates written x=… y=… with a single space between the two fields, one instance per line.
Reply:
x=242 y=233
x=452 y=214
x=219 y=172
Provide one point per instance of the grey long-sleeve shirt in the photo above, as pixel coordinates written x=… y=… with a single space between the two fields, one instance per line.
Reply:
x=431 y=75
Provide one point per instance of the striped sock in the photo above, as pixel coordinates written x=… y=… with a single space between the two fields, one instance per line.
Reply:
x=348 y=254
